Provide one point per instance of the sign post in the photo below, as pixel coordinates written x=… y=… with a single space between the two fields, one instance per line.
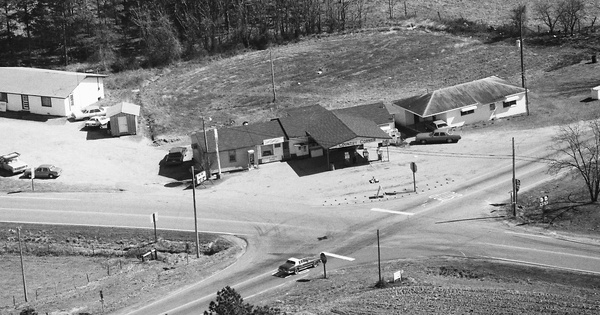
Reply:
x=413 y=168
x=32 y=177
x=154 y=215
x=324 y=261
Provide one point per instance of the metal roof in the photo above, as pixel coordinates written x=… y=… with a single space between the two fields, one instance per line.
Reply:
x=123 y=107
x=478 y=92
x=40 y=82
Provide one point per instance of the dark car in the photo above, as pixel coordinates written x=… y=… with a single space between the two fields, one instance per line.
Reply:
x=175 y=156
x=436 y=137
x=44 y=171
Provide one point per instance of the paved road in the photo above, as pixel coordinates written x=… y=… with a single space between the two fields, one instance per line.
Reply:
x=457 y=219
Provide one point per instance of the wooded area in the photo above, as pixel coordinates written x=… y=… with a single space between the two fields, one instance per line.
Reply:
x=114 y=32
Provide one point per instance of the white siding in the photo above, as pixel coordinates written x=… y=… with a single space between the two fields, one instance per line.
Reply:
x=88 y=92
x=486 y=112
x=299 y=147
x=59 y=106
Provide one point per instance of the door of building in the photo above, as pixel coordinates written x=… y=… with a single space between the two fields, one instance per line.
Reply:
x=123 y=126
x=286 y=150
x=25 y=102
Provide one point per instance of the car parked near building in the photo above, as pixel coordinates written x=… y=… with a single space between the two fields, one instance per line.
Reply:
x=44 y=171
x=176 y=156
x=89 y=112
x=436 y=125
x=436 y=137
x=12 y=163
x=97 y=121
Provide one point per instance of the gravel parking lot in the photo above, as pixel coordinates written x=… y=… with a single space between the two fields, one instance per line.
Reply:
x=132 y=163
x=86 y=156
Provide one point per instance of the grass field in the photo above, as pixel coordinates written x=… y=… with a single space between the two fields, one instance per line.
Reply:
x=67 y=266
x=354 y=68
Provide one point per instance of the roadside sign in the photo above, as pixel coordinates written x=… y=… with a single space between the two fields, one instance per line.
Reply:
x=413 y=167
x=398 y=275
x=323 y=258
x=32 y=173
x=200 y=177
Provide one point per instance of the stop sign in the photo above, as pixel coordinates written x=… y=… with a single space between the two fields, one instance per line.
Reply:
x=413 y=167
x=323 y=258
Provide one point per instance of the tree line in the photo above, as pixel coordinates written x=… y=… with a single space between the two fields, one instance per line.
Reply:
x=113 y=32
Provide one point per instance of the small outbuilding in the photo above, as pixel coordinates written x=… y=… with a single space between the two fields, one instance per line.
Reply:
x=123 y=119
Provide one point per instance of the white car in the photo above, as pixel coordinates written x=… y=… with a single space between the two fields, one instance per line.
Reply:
x=89 y=112
x=97 y=121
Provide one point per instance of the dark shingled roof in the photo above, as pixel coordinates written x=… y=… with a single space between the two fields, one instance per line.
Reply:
x=376 y=112
x=478 y=92
x=298 y=120
x=239 y=137
x=327 y=128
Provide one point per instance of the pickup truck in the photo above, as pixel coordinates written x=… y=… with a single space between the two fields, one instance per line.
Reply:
x=12 y=163
x=295 y=265
x=436 y=137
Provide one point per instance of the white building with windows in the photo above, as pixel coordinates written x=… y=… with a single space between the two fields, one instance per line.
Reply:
x=48 y=92
x=480 y=100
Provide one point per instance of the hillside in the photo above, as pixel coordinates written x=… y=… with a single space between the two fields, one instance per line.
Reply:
x=336 y=71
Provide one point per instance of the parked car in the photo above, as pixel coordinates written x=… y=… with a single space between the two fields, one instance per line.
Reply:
x=175 y=156
x=88 y=112
x=436 y=125
x=12 y=163
x=97 y=121
x=436 y=137
x=44 y=171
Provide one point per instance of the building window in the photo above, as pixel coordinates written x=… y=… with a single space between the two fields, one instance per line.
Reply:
x=467 y=112
x=509 y=104
x=3 y=97
x=278 y=145
x=232 y=157
x=46 y=101
x=267 y=152
x=493 y=106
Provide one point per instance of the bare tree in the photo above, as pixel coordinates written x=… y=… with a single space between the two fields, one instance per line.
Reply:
x=518 y=17
x=577 y=149
x=391 y=4
x=549 y=12
x=572 y=13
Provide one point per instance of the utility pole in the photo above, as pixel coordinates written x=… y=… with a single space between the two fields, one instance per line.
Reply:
x=195 y=215
x=154 y=221
x=272 y=76
x=207 y=161
x=522 y=62
x=514 y=188
x=378 y=256
x=22 y=265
